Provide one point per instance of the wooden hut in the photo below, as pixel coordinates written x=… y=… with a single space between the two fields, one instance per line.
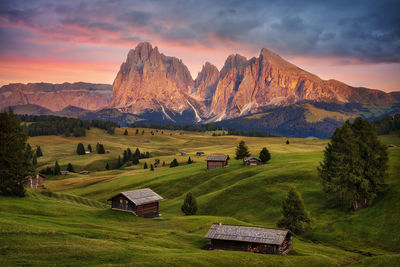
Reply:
x=200 y=154
x=36 y=182
x=252 y=161
x=141 y=202
x=250 y=238
x=216 y=161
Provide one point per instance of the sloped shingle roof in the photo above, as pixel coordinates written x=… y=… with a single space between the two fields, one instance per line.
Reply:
x=142 y=196
x=247 y=234
x=217 y=158
x=251 y=157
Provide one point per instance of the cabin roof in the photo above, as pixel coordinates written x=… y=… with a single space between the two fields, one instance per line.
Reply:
x=251 y=157
x=216 y=158
x=247 y=234
x=141 y=196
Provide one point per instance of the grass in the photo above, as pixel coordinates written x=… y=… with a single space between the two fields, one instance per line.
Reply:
x=71 y=224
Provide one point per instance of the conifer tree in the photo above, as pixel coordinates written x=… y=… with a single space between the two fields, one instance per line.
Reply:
x=145 y=165
x=163 y=163
x=34 y=160
x=355 y=165
x=70 y=168
x=151 y=167
x=57 y=169
x=129 y=153
x=125 y=157
x=265 y=156
x=189 y=206
x=135 y=160
x=80 y=149
x=174 y=163
x=287 y=142
x=119 y=163
x=100 y=149
x=89 y=147
x=137 y=153
x=242 y=151
x=137 y=131
x=39 y=152
x=15 y=163
x=107 y=166
x=126 y=132
x=296 y=218
x=28 y=149
x=189 y=161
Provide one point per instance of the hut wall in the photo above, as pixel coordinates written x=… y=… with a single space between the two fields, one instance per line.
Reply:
x=147 y=210
x=215 y=164
x=122 y=203
x=245 y=246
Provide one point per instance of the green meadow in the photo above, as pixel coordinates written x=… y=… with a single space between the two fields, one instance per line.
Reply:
x=71 y=224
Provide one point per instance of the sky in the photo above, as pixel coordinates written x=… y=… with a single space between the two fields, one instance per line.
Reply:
x=357 y=41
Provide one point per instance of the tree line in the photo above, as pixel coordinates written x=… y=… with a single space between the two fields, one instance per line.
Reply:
x=387 y=124
x=54 y=125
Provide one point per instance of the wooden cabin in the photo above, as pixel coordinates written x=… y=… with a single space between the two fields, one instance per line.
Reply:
x=216 y=161
x=141 y=202
x=36 y=182
x=250 y=238
x=252 y=161
x=200 y=154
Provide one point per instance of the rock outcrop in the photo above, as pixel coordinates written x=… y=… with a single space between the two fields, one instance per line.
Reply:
x=151 y=81
x=56 y=97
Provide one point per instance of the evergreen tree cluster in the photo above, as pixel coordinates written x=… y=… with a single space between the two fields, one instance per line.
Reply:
x=355 y=165
x=387 y=124
x=189 y=127
x=80 y=149
x=189 y=206
x=100 y=148
x=174 y=163
x=250 y=133
x=128 y=156
x=54 y=125
x=56 y=170
x=15 y=158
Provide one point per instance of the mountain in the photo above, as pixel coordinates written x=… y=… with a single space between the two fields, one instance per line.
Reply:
x=56 y=97
x=150 y=82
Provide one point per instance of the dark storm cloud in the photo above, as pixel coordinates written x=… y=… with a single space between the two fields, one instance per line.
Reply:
x=367 y=30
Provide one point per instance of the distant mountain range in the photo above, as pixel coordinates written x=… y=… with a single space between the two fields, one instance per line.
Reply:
x=266 y=93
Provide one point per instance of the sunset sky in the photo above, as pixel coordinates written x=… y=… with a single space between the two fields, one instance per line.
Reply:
x=357 y=42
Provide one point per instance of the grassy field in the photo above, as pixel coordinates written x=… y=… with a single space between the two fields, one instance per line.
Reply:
x=71 y=224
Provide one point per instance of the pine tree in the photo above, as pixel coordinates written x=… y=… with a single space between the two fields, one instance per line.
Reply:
x=163 y=163
x=189 y=206
x=287 y=142
x=70 y=168
x=80 y=149
x=242 y=151
x=174 y=163
x=151 y=167
x=126 y=132
x=265 y=156
x=145 y=165
x=137 y=153
x=125 y=157
x=15 y=155
x=142 y=132
x=119 y=163
x=100 y=149
x=39 y=152
x=57 y=169
x=129 y=154
x=189 y=161
x=89 y=147
x=137 y=131
x=296 y=218
x=147 y=155
x=34 y=160
x=355 y=165
x=107 y=166
x=135 y=160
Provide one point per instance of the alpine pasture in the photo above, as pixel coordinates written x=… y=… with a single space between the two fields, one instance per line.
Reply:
x=71 y=224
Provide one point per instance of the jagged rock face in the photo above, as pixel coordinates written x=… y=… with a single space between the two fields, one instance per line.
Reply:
x=149 y=80
x=56 y=97
x=247 y=86
x=205 y=84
